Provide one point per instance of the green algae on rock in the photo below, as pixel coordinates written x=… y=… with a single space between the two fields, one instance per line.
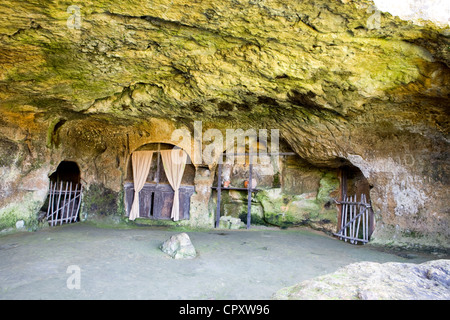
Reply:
x=339 y=91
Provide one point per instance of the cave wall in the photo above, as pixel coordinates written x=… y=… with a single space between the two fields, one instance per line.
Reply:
x=402 y=184
x=24 y=166
x=132 y=71
x=291 y=192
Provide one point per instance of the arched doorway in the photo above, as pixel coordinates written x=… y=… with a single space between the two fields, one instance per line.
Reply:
x=355 y=217
x=156 y=198
x=65 y=191
x=67 y=171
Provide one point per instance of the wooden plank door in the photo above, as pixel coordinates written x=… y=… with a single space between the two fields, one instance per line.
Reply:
x=163 y=201
x=145 y=202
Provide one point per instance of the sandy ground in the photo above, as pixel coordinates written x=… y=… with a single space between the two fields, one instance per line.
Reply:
x=128 y=264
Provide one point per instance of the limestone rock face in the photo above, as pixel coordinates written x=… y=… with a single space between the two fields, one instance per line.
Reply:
x=179 y=247
x=92 y=81
x=227 y=222
x=375 y=281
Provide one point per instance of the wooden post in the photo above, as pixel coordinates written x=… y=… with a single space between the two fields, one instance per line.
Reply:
x=219 y=192
x=55 y=187
x=363 y=196
x=345 y=217
x=49 y=200
x=72 y=211
x=64 y=204
x=342 y=193
x=249 y=190
x=79 y=200
x=360 y=212
x=67 y=213
x=55 y=214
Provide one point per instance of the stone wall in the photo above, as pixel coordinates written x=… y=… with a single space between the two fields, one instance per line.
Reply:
x=131 y=72
x=292 y=192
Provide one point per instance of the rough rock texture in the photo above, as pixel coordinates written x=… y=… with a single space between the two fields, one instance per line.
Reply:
x=179 y=246
x=291 y=192
x=227 y=222
x=93 y=84
x=375 y=281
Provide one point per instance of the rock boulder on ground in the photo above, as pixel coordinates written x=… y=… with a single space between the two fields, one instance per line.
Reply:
x=228 y=222
x=375 y=281
x=179 y=246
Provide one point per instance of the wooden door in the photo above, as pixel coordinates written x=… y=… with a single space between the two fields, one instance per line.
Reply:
x=145 y=202
x=163 y=202
x=155 y=201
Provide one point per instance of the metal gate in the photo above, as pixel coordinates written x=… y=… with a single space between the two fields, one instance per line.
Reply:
x=355 y=220
x=64 y=202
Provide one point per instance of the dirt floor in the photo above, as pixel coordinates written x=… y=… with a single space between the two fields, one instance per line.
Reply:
x=128 y=264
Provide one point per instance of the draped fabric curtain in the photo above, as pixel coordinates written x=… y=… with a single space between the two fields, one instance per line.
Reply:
x=174 y=162
x=140 y=161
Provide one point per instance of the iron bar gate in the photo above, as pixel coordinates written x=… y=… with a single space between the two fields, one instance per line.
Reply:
x=64 y=202
x=355 y=220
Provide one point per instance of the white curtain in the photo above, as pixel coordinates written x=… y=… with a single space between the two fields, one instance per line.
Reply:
x=174 y=162
x=140 y=161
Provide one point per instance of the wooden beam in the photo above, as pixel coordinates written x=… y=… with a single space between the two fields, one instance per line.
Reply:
x=249 y=195
x=342 y=193
x=50 y=202
x=55 y=217
x=79 y=199
x=219 y=192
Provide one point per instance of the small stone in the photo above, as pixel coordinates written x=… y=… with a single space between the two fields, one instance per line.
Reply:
x=20 y=224
x=224 y=223
x=179 y=246
x=228 y=222
x=235 y=223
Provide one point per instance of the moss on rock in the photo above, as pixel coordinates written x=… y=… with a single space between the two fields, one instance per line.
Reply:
x=26 y=210
x=101 y=201
x=315 y=209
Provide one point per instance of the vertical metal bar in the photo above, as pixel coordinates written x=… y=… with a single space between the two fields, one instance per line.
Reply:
x=249 y=190
x=219 y=192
